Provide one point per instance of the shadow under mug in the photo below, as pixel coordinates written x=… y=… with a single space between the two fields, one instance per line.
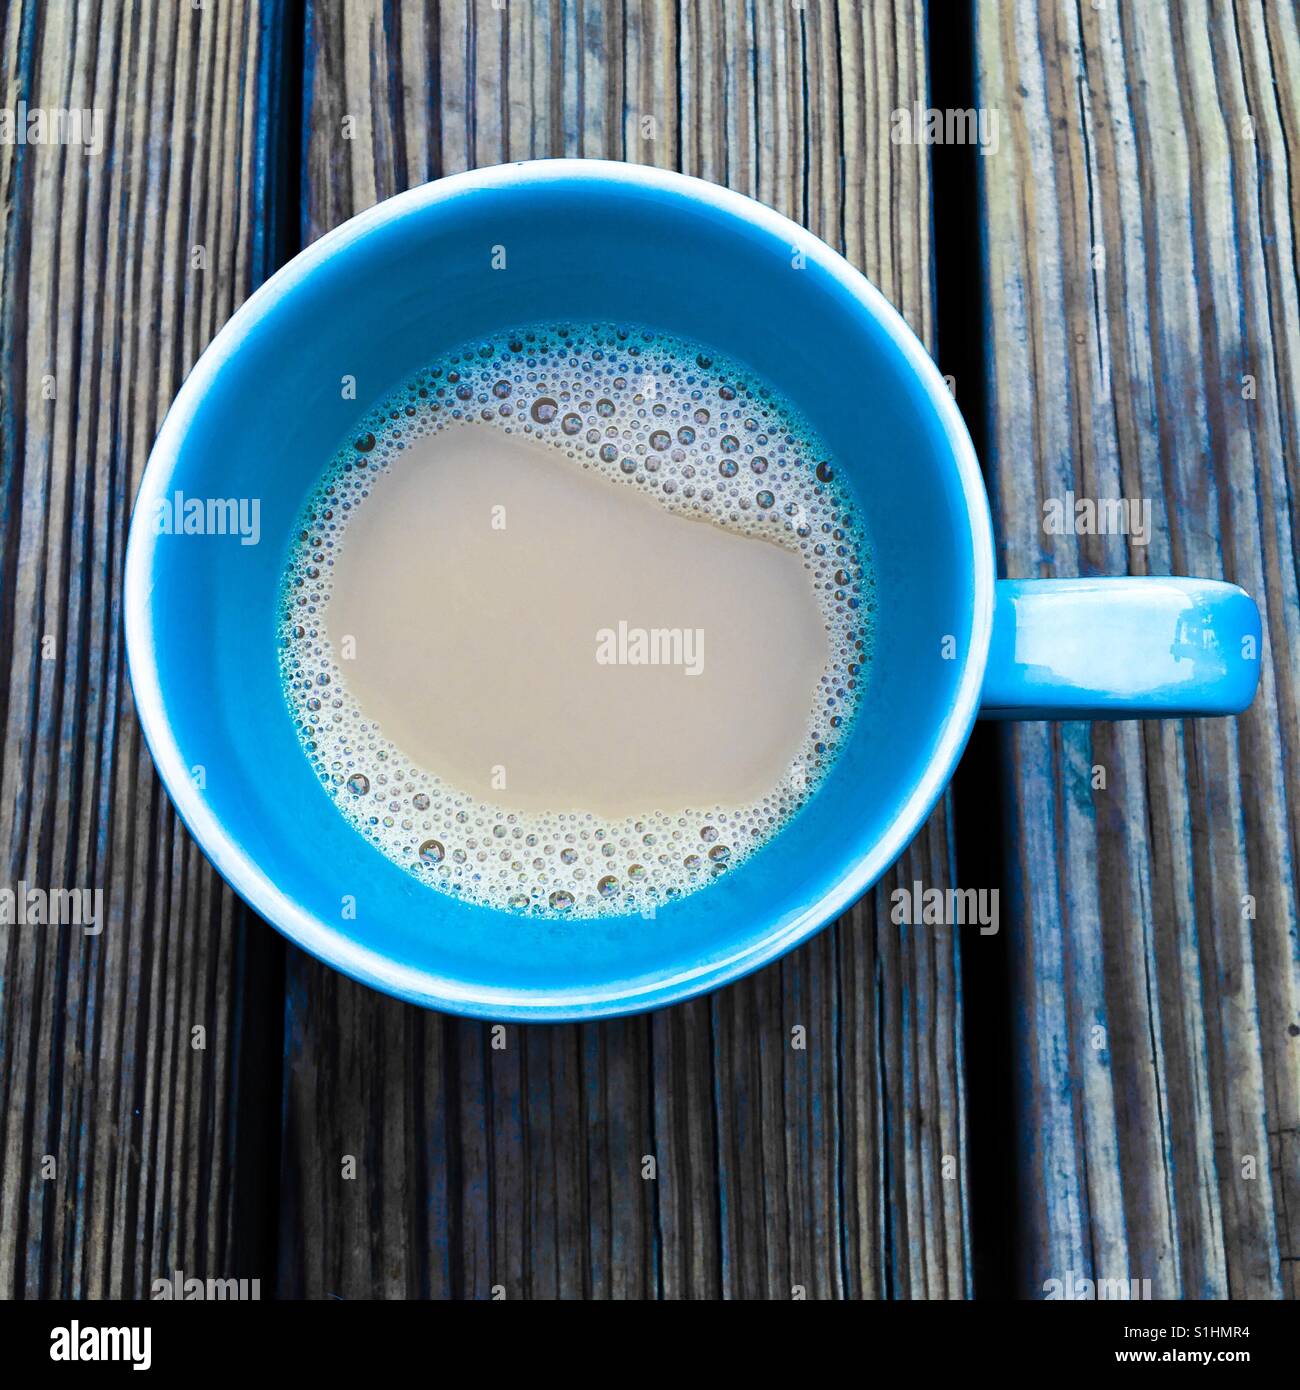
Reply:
x=475 y=254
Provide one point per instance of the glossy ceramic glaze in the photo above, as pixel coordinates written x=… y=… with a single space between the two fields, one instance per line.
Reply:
x=388 y=292
x=1120 y=648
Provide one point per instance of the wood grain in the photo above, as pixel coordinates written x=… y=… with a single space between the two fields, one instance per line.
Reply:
x=159 y=1150
x=780 y=1173
x=1143 y=341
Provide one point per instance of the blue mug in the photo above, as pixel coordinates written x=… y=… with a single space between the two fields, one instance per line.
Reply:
x=266 y=406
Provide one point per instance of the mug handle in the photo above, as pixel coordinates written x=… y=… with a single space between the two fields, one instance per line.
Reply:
x=1123 y=648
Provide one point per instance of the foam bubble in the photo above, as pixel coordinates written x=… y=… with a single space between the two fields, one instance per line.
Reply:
x=700 y=435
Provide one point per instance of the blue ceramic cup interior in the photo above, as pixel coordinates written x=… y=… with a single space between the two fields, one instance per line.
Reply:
x=380 y=297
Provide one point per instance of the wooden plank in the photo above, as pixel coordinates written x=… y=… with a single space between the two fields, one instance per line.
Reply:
x=1144 y=338
x=779 y=1170
x=103 y=314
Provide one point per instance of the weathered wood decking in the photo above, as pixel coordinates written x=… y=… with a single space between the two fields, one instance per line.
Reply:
x=102 y=318
x=777 y=1169
x=1143 y=340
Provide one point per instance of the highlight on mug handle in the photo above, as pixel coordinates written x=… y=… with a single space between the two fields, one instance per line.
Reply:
x=1121 y=648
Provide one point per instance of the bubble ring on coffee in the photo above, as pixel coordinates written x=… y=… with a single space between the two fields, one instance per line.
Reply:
x=702 y=437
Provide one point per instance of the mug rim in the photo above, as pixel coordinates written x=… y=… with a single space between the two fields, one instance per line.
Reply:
x=416 y=985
